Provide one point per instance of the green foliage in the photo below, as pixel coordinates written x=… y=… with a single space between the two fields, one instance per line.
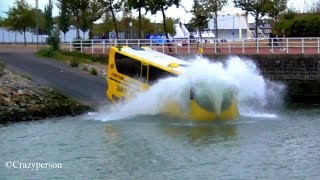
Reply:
x=76 y=9
x=137 y=5
x=70 y=56
x=48 y=18
x=256 y=8
x=74 y=62
x=306 y=26
x=76 y=54
x=289 y=15
x=93 y=71
x=212 y=7
x=21 y=18
x=200 y=15
x=47 y=52
x=162 y=5
x=54 y=39
x=64 y=18
x=1 y=22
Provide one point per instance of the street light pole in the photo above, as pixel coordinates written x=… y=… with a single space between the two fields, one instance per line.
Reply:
x=37 y=22
x=130 y=29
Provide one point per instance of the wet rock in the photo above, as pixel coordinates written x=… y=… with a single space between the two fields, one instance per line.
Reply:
x=23 y=100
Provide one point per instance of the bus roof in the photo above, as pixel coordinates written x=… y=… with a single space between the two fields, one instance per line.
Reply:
x=155 y=57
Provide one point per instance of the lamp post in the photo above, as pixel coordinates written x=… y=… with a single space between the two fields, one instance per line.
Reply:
x=130 y=29
x=37 y=24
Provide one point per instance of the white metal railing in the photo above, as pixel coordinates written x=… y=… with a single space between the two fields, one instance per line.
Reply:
x=298 y=45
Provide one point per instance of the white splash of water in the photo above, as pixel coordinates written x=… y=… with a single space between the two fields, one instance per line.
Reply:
x=211 y=80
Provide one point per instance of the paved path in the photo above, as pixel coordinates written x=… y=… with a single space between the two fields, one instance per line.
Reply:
x=81 y=86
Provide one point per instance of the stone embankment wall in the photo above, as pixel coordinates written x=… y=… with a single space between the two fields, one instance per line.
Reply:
x=21 y=100
x=301 y=74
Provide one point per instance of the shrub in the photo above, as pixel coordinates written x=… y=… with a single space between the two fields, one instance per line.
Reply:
x=2 y=66
x=74 y=63
x=54 y=39
x=93 y=71
x=53 y=42
x=46 y=52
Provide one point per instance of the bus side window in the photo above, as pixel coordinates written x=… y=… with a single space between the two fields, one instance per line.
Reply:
x=128 y=66
x=144 y=72
x=156 y=74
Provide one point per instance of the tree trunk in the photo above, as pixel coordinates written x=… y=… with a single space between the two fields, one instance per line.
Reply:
x=165 y=27
x=216 y=30
x=78 y=33
x=257 y=24
x=24 y=37
x=114 y=22
x=276 y=23
x=140 y=26
x=216 y=24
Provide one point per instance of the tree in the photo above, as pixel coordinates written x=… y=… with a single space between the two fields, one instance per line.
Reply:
x=137 y=5
x=257 y=8
x=278 y=6
x=64 y=18
x=21 y=18
x=1 y=22
x=76 y=9
x=214 y=6
x=200 y=15
x=94 y=12
x=315 y=8
x=162 y=5
x=48 y=18
x=113 y=7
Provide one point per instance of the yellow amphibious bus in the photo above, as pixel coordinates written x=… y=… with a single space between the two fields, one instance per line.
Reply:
x=135 y=69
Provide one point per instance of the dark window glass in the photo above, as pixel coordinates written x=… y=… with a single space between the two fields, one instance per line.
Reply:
x=128 y=66
x=155 y=74
x=144 y=73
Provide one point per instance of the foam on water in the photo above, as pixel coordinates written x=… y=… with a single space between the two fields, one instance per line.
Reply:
x=211 y=79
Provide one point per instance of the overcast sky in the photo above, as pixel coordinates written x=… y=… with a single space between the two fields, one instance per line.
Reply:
x=300 y=5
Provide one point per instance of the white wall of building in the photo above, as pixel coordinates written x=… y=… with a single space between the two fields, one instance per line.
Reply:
x=7 y=36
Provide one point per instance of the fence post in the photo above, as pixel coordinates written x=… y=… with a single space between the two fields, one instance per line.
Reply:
x=91 y=46
x=302 y=43
x=104 y=47
x=175 y=45
x=81 y=45
x=138 y=42
x=287 y=46
x=318 y=46
x=229 y=47
x=272 y=45
x=163 y=46
x=242 y=46
x=188 y=45
x=215 y=45
x=70 y=46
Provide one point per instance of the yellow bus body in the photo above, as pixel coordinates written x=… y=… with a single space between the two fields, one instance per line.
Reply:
x=120 y=86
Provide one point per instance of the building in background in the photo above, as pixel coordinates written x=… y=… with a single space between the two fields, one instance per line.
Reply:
x=7 y=36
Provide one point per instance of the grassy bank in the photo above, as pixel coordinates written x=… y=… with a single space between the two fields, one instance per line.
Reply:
x=73 y=56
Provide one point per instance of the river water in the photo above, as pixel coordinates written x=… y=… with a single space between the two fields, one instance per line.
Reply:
x=270 y=139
